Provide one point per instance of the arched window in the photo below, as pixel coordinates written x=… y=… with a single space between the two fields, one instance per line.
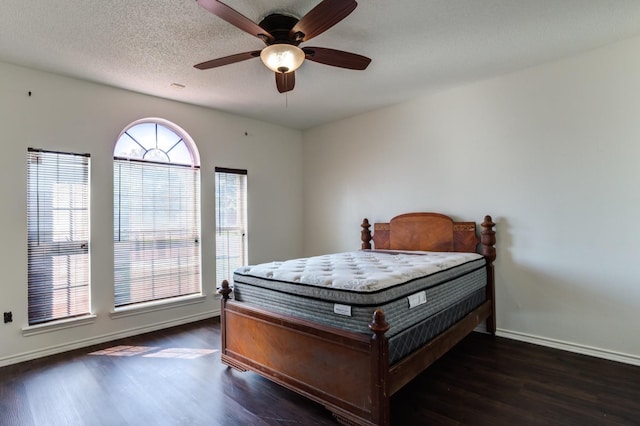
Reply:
x=156 y=213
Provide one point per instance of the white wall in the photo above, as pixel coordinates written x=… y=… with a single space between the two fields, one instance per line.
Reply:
x=551 y=152
x=70 y=115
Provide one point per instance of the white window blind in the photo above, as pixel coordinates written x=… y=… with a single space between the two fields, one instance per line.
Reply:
x=156 y=231
x=231 y=222
x=58 y=235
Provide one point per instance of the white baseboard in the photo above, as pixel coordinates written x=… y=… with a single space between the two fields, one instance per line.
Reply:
x=52 y=350
x=523 y=337
x=571 y=347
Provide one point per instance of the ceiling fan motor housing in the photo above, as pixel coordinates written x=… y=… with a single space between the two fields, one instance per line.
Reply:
x=279 y=26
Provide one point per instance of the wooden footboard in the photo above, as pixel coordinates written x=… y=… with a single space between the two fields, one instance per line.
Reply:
x=348 y=373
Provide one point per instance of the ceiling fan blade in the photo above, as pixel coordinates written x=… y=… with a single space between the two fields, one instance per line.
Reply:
x=232 y=59
x=235 y=18
x=322 y=17
x=336 y=58
x=286 y=81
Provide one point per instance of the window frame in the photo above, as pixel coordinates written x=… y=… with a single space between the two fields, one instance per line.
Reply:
x=225 y=268
x=58 y=220
x=148 y=168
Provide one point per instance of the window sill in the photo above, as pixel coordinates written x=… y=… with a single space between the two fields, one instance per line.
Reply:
x=32 y=330
x=143 y=308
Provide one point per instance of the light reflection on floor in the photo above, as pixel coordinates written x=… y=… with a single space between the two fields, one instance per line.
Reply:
x=154 y=352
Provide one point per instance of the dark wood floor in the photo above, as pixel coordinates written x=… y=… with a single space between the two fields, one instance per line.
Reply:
x=173 y=377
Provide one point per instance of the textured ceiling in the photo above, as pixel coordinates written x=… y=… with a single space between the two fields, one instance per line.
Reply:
x=417 y=47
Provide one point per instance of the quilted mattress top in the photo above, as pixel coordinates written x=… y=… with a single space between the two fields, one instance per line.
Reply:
x=361 y=271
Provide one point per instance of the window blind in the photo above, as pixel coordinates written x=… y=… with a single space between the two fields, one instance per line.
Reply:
x=57 y=235
x=231 y=222
x=156 y=231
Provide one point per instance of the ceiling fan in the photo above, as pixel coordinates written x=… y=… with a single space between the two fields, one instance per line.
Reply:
x=283 y=34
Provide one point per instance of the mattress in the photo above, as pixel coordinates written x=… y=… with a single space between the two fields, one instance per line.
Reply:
x=421 y=293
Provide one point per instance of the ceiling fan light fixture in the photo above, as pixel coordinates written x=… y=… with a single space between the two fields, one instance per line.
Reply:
x=282 y=57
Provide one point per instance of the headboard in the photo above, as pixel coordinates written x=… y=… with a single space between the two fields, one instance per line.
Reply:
x=428 y=232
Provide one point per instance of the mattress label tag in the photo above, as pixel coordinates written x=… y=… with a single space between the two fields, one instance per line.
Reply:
x=342 y=309
x=417 y=299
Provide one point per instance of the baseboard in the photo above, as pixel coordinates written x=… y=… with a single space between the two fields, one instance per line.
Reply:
x=523 y=337
x=52 y=350
x=570 y=347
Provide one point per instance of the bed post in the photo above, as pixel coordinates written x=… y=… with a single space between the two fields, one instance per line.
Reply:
x=380 y=405
x=365 y=235
x=224 y=291
x=488 y=240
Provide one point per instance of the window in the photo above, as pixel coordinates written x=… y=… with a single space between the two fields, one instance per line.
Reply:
x=231 y=222
x=57 y=235
x=156 y=214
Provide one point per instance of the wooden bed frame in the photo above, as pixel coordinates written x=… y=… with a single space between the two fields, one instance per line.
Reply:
x=349 y=373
